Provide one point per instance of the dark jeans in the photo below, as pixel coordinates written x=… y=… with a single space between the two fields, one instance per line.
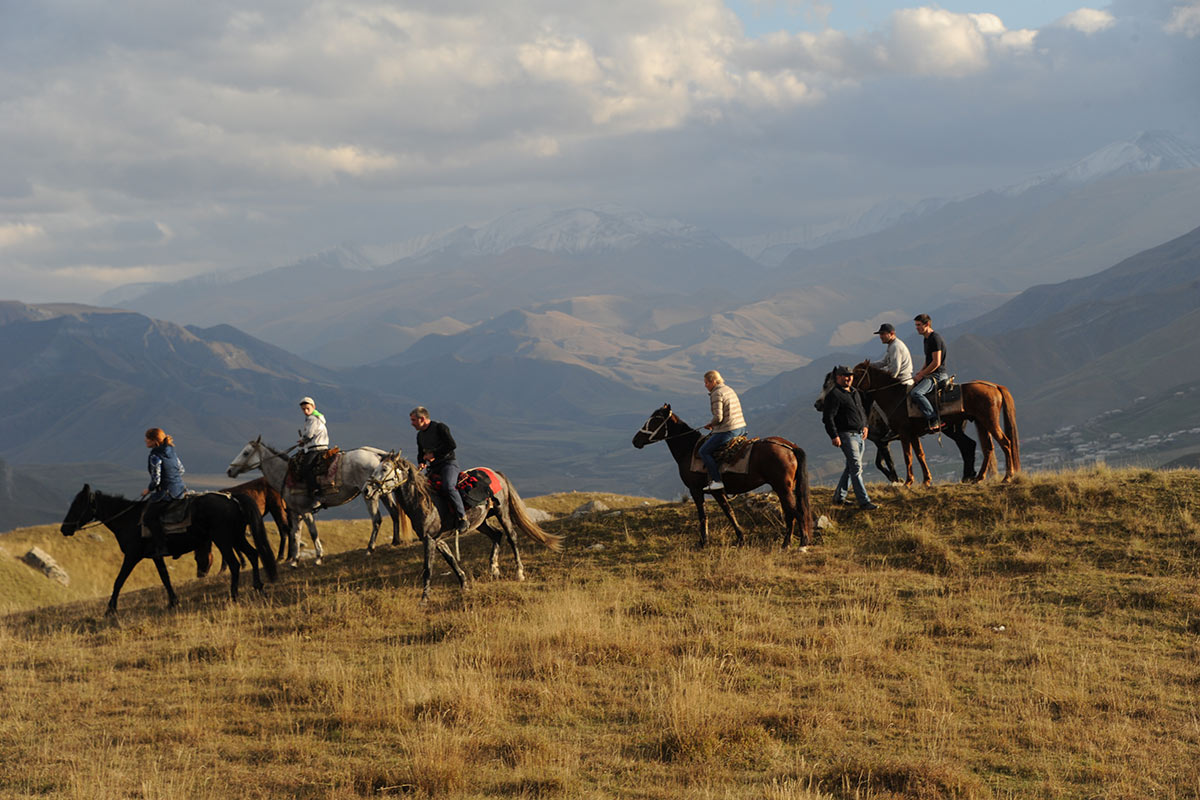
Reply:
x=448 y=470
x=712 y=444
x=308 y=463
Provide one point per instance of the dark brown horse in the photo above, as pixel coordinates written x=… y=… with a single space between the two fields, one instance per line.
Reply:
x=989 y=405
x=774 y=461
x=269 y=501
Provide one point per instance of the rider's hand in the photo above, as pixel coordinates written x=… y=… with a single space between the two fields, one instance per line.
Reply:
x=837 y=441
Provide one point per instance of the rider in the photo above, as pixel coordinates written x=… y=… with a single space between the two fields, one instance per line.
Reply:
x=314 y=440
x=726 y=423
x=435 y=451
x=933 y=374
x=166 y=484
x=897 y=361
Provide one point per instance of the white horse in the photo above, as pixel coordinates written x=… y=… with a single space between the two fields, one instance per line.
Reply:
x=353 y=470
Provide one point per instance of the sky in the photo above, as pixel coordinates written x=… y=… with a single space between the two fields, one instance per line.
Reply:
x=153 y=141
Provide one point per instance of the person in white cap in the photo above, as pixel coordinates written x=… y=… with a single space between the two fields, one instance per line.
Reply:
x=314 y=439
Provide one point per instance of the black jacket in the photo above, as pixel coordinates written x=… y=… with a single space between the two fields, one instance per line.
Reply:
x=436 y=439
x=843 y=411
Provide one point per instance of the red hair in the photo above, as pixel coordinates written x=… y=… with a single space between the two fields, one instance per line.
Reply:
x=159 y=436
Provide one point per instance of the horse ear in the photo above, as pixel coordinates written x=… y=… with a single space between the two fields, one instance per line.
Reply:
x=259 y=439
x=666 y=406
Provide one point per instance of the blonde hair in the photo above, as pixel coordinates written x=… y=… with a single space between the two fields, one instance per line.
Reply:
x=159 y=437
x=714 y=376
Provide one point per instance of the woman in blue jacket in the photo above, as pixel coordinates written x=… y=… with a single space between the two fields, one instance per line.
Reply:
x=166 y=484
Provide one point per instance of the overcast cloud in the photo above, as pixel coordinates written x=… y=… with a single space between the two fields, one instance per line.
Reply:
x=151 y=141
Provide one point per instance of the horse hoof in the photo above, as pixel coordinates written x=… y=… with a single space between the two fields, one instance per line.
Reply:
x=317 y=561
x=803 y=548
x=294 y=564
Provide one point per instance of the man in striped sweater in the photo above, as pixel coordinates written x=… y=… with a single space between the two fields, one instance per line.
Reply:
x=726 y=423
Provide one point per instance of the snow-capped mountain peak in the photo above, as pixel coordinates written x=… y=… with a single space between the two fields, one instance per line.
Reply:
x=1149 y=151
x=574 y=231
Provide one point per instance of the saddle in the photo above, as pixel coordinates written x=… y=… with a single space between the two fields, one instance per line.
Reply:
x=946 y=399
x=733 y=456
x=476 y=485
x=176 y=518
x=325 y=470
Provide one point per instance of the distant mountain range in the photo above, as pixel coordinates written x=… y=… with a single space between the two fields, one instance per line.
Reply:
x=547 y=337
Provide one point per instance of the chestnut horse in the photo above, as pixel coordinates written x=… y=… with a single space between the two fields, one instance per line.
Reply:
x=269 y=501
x=774 y=461
x=989 y=405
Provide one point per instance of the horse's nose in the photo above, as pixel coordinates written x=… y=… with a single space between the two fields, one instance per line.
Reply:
x=229 y=472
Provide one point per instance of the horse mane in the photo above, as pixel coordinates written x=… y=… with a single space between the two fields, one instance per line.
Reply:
x=422 y=490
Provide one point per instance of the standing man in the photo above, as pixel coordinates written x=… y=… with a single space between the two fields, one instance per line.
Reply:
x=435 y=452
x=314 y=440
x=726 y=423
x=846 y=423
x=933 y=374
x=897 y=361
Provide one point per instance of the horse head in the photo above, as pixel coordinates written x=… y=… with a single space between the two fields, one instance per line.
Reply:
x=653 y=429
x=388 y=476
x=249 y=458
x=826 y=385
x=81 y=512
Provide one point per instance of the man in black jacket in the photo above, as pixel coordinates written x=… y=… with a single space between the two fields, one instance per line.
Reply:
x=846 y=423
x=435 y=452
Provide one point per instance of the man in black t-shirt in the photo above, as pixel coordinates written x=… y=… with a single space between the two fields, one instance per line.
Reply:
x=933 y=374
x=435 y=452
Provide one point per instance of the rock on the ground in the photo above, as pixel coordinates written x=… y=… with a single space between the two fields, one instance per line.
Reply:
x=40 y=559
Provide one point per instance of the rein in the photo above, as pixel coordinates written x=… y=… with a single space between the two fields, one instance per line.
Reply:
x=666 y=421
x=96 y=522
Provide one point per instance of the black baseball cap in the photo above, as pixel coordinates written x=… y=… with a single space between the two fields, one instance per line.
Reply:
x=841 y=369
x=886 y=328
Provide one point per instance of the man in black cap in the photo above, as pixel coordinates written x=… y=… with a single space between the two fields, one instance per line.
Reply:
x=897 y=361
x=846 y=423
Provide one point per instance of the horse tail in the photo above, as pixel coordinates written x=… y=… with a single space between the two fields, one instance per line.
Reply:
x=1010 y=425
x=516 y=510
x=259 y=532
x=803 y=496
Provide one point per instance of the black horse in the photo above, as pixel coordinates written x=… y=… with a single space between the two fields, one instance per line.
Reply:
x=217 y=518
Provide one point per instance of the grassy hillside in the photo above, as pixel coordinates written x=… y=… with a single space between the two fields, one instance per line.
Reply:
x=1028 y=641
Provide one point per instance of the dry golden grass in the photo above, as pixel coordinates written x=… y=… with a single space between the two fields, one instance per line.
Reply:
x=1037 y=640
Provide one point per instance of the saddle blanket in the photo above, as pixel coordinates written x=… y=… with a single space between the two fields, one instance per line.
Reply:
x=325 y=468
x=948 y=401
x=733 y=457
x=477 y=485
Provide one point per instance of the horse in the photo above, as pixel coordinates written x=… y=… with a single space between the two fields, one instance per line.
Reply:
x=353 y=470
x=880 y=432
x=417 y=498
x=989 y=405
x=217 y=518
x=774 y=461
x=269 y=501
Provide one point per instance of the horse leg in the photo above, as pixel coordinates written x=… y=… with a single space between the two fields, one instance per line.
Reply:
x=394 y=512
x=427 y=571
x=497 y=539
x=906 y=447
x=786 y=492
x=698 y=499
x=920 y=450
x=966 y=449
x=161 y=565
x=510 y=533
x=242 y=546
x=231 y=558
x=444 y=549
x=311 y=523
x=883 y=462
x=376 y=521
x=723 y=502
x=989 y=451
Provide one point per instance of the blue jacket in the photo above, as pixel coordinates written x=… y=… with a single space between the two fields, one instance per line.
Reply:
x=166 y=474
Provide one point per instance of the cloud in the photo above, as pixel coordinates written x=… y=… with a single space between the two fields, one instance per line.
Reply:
x=15 y=234
x=1087 y=20
x=1185 y=20
x=252 y=132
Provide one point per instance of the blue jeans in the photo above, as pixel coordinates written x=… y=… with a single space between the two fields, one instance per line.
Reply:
x=924 y=386
x=852 y=448
x=713 y=443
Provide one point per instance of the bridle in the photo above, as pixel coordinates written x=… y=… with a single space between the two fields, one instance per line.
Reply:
x=91 y=507
x=653 y=435
x=391 y=476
